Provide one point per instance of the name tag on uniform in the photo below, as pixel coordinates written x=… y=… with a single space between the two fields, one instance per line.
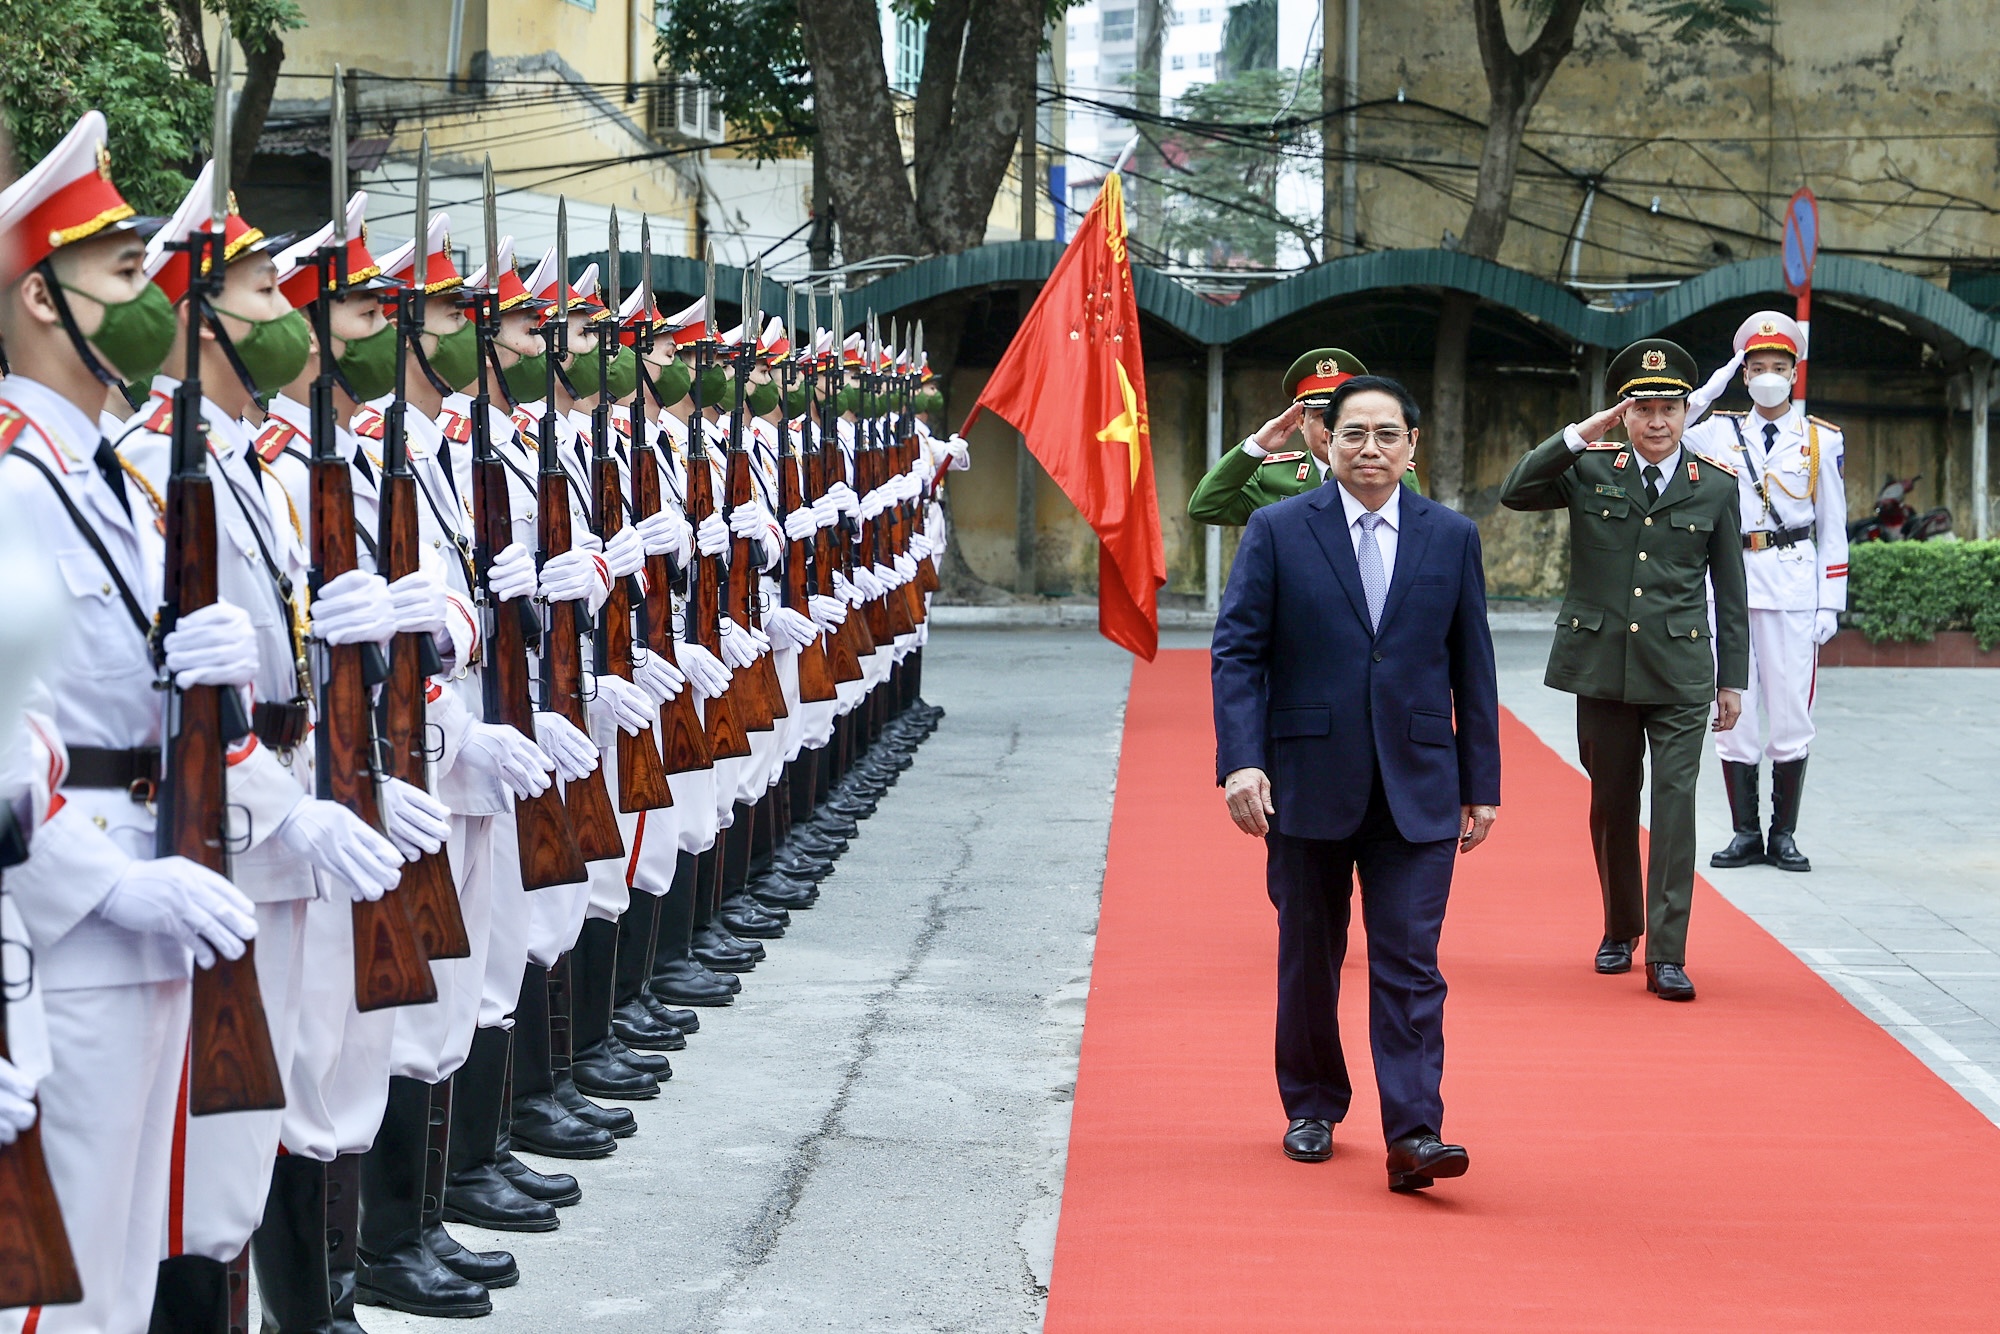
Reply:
x=1604 y=490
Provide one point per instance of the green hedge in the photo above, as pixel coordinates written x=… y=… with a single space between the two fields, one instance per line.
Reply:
x=1911 y=590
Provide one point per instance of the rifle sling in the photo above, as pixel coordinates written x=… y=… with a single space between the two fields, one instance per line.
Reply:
x=140 y=621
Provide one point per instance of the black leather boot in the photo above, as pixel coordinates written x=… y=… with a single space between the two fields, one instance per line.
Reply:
x=594 y=1065
x=539 y=1122
x=1747 y=847
x=782 y=891
x=397 y=1268
x=677 y=978
x=475 y=1190
x=1788 y=785
x=557 y=1188
x=635 y=1023
x=616 y=1120
x=343 y=1230
x=191 y=1296
x=491 y=1269
x=288 y=1250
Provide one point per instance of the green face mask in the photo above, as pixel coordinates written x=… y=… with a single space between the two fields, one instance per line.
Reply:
x=370 y=363
x=715 y=388
x=135 y=335
x=528 y=379
x=847 y=399
x=795 y=400
x=930 y=402
x=762 y=398
x=457 y=357
x=274 y=351
x=672 y=382
x=623 y=377
x=582 y=372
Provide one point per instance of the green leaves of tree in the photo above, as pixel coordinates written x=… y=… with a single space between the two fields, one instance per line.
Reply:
x=1689 y=20
x=751 y=55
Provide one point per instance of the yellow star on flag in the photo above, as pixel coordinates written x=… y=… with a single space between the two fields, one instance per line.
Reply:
x=1125 y=426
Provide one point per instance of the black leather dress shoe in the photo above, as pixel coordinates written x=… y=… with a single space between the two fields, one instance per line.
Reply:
x=489 y=1269
x=543 y=1125
x=687 y=1021
x=826 y=822
x=557 y=1188
x=778 y=891
x=482 y=1196
x=1309 y=1140
x=718 y=949
x=637 y=1026
x=1669 y=981
x=1614 y=956
x=411 y=1279
x=747 y=919
x=807 y=842
x=618 y=1121
x=652 y=1063
x=1415 y=1161
x=686 y=982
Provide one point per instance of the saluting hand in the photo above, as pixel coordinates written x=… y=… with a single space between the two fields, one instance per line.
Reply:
x=1596 y=427
x=1272 y=434
x=1248 y=792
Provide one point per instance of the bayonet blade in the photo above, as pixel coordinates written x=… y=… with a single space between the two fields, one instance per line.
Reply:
x=423 y=249
x=337 y=155
x=646 y=268
x=613 y=294
x=562 y=260
x=491 y=224
x=218 y=140
x=708 y=292
x=756 y=302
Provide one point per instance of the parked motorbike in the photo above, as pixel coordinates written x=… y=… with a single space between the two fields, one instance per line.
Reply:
x=1896 y=519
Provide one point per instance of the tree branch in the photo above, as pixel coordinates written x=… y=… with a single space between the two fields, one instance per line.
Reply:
x=260 y=83
x=857 y=129
x=937 y=86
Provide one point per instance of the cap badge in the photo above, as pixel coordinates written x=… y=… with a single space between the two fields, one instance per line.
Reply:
x=104 y=162
x=1327 y=368
x=1653 y=359
x=1767 y=327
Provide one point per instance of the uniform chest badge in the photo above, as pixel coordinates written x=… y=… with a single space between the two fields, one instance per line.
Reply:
x=1619 y=462
x=1694 y=475
x=1304 y=468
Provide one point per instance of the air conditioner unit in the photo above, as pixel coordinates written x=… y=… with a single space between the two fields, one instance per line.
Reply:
x=685 y=110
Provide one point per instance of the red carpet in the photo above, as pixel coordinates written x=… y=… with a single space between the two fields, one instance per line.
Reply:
x=1763 y=1159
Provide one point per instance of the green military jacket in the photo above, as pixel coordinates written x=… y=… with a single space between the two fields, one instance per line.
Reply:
x=1239 y=485
x=1634 y=624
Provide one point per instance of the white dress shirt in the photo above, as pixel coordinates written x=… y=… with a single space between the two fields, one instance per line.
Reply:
x=1385 y=533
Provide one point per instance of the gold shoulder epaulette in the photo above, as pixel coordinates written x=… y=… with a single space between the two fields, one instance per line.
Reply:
x=1722 y=412
x=1292 y=457
x=1822 y=423
x=1713 y=462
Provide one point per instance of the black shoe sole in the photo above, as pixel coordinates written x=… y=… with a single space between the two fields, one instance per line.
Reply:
x=1789 y=866
x=563 y=1201
x=1450 y=1167
x=697 y=1002
x=1622 y=967
x=644 y=1094
x=567 y=1154
x=452 y=1215
x=1722 y=863
x=365 y=1296
x=1309 y=1157
x=1654 y=987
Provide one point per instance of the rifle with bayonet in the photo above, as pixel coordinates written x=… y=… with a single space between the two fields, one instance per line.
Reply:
x=642 y=781
x=816 y=680
x=856 y=642
x=396 y=937
x=685 y=747
x=586 y=799
x=543 y=838
x=231 y=1064
x=722 y=725
x=762 y=691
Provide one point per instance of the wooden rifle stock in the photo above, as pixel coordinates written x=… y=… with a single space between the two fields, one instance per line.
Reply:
x=396 y=936
x=816 y=684
x=642 y=781
x=586 y=799
x=722 y=726
x=684 y=743
x=231 y=1064
x=762 y=691
x=851 y=642
x=37 y=1267
x=543 y=839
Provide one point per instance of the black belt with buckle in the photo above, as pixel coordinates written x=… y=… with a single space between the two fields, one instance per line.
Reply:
x=279 y=726
x=134 y=771
x=1765 y=539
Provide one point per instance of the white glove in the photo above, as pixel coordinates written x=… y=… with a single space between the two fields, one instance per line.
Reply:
x=800 y=524
x=920 y=546
x=789 y=629
x=622 y=704
x=172 y=896
x=569 y=577
x=573 y=752
x=867 y=584
x=738 y=648
x=336 y=840
x=906 y=566
x=873 y=503
x=705 y=672
x=625 y=553
x=660 y=679
x=749 y=522
x=848 y=590
x=961 y=453
x=213 y=646
x=711 y=536
x=512 y=574
x=415 y=821
x=826 y=511
x=356 y=608
x=762 y=640
x=497 y=748
x=843 y=497
x=17 y=1102
x=667 y=534
x=829 y=612
x=1700 y=399
x=1826 y=624
x=887 y=576
x=419 y=601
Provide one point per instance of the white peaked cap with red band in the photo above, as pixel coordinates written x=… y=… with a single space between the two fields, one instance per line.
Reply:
x=296 y=274
x=440 y=273
x=542 y=282
x=65 y=198
x=774 y=342
x=1771 y=330
x=851 y=350
x=169 y=268
x=688 y=326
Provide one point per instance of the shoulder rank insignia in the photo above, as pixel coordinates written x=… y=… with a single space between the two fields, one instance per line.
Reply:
x=1694 y=471
x=1722 y=412
x=1305 y=469
x=161 y=419
x=1286 y=457
x=12 y=422
x=1822 y=423
x=457 y=427
x=369 y=422
x=1603 y=444
x=1619 y=462
x=272 y=440
x=524 y=421
x=1711 y=462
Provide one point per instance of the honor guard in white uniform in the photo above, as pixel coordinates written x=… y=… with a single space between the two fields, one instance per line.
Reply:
x=1789 y=470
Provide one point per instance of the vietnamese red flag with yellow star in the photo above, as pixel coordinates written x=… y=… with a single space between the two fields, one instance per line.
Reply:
x=1073 y=382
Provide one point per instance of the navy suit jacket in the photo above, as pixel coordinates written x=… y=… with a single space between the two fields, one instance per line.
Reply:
x=1307 y=693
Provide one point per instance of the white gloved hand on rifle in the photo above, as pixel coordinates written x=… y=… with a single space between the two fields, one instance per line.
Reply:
x=355 y=608
x=705 y=672
x=625 y=553
x=660 y=679
x=17 y=1102
x=874 y=503
x=826 y=511
x=800 y=524
x=906 y=566
x=415 y=821
x=622 y=704
x=570 y=577
x=752 y=522
x=338 y=843
x=512 y=573
x=828 y=612
x=843 y=498
x=739 y=650
x=574 y=753
x=498 y=748
x=172 y=896
x=215 y=646
x=419 y=601
x=667 y=534
x=711 y=536
x=789 y=629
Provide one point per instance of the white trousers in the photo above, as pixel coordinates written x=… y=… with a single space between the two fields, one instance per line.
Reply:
x=1784 y=663
x=108 y=1131
x=433 y=1040
x=693 y=809
x=507 y=926
x=339 y=1077
x=223 y=1170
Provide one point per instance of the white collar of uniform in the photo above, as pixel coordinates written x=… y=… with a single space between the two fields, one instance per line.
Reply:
x=1789 y=425
x=675 y=428
x=227 y=435
x=420 y=433
x=1391 y=511
x=67 y=426
x=1666 y=465
x=298 y=416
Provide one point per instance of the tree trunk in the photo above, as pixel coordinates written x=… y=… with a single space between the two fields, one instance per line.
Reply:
x=260 y=82
x=819 y=243
x=956 y=192
x=857 y=129
x=1444 y=441
x=193 y=52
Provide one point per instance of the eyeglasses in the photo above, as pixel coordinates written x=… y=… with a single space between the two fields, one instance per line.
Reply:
x=1386 y=437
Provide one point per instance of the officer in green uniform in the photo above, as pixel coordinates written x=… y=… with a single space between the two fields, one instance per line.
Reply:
x=1255 y=474
x=1651 y=527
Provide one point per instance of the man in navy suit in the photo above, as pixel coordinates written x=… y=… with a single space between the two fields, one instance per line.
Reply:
x=1357 y=728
